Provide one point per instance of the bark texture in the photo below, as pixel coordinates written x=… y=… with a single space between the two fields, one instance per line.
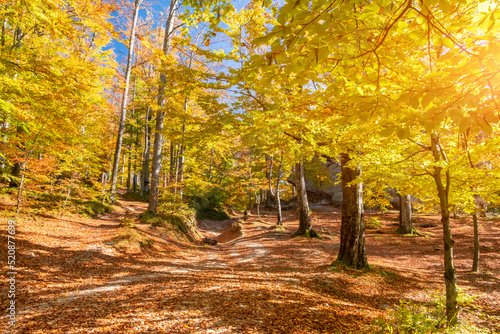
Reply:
x=475 y=262
x=305 y=226
x=145 y=157
x=158 y=139
x=278 y=200
x=352 y=231
x=123 y=116
x=405 y=215
x=443 y=190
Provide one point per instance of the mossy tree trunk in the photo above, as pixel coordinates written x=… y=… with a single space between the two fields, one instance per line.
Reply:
x=352 y=231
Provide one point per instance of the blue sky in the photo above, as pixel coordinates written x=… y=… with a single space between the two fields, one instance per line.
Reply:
x=157 y=7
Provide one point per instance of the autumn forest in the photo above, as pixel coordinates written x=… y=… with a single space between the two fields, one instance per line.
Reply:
x=250 y=166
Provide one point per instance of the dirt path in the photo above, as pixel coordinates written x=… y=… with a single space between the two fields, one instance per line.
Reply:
x=73 y=278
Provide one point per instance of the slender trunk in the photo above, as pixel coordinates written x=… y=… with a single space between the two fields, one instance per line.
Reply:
x=211 y=163
x=172 y=161
x=158 y=141
x=475 y=262
x=449 y=268
x=305 y=226
x=176 y=178
x=129 y=166
x=67 y=197
x=134 y=171
x=181 y=161
x=145 y=157
x=20 y=191
x=278 y=200
x=257 y=201
x=293 y=186
x=122 y=176
x=269 y=175
x=104 y=179
x=352 y=230
x=405 y=215
x=123 y=117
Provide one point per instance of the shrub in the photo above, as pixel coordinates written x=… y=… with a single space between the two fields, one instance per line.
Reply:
x=211 y=204
x=373 y=223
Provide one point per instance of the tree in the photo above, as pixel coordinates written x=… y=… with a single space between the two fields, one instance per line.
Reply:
x=123 y=116
x=158 y=138
x=352 y=233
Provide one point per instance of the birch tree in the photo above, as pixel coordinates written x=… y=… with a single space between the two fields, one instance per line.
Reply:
x=123 y=108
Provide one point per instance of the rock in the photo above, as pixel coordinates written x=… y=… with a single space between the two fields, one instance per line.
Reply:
x=320 y=181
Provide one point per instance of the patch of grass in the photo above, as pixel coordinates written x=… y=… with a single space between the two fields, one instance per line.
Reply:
x=91 y=208
x=181 y=221
x=148 y=217
x=386 y=274
x=129 y=222
x=128 y=237
x=410 y=317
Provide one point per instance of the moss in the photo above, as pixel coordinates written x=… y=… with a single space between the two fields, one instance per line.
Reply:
x=91 y=208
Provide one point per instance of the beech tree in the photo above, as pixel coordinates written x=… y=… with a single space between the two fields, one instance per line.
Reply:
x=369 y=56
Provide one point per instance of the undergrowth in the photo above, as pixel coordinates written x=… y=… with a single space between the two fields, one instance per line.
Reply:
x=128 y=237
x=83 y=202
x=422 y=318
x=174 y=217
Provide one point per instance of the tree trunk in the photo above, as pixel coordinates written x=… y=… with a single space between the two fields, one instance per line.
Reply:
x=257 y=201
x=405 y=215
x=269 y=175
x=123 y=169
x=20 y=190
x=129 y=167
x=352 y=231
x=475 y=262
x=449 y=269
x=293 y=186
x=158 y=141
x=278 y=200
x=123 y=117
x=305 y=226
x=67 y=197
x=172 y=163
x=211 y=163
x=145 y=157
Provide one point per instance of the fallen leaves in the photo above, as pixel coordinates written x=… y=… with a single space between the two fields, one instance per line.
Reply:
x=262 y=281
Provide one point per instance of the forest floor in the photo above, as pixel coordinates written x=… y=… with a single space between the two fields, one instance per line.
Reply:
x=82 y=275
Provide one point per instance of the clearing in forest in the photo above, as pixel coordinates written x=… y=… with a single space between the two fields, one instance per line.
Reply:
x=81 y=275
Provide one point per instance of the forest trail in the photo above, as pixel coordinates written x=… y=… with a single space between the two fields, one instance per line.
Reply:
x=74 y=276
